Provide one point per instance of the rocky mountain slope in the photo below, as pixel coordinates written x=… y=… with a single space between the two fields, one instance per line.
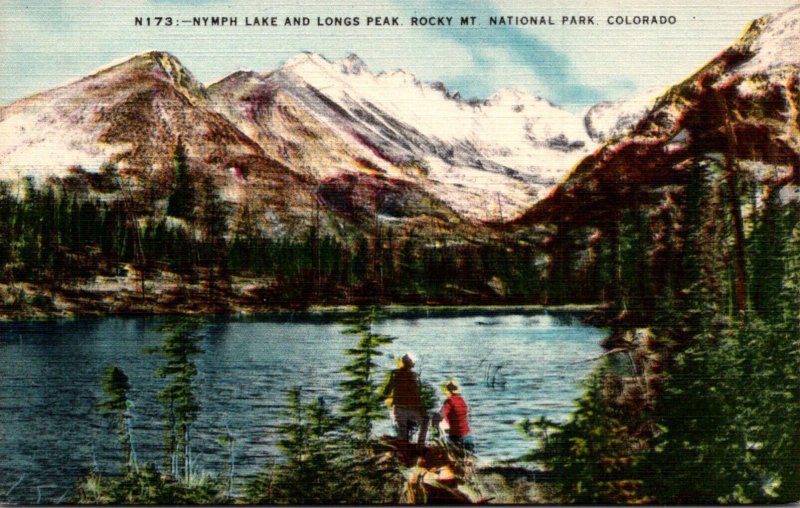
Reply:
x=286 y=141
x=741 y=111
x=481 y=158
x=131 y=114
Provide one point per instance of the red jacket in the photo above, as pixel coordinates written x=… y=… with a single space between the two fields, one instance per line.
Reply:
x=455 y=413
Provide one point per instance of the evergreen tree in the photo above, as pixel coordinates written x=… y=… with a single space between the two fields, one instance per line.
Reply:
x=592 y=456
x=361 y=403
x=180 y=202
x=767 y=257
x=116 y=386
x=6 y=225
x=212 y=217
x=313 y=472
x=179 y=399
x=359 y=263
x=699 y=438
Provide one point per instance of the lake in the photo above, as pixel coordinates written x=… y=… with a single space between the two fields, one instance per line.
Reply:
x=510 y=367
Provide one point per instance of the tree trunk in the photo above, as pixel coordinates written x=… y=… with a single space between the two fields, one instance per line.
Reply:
x=615 y=291
x=740 y=269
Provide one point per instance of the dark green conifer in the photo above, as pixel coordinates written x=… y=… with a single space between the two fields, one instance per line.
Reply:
x=361 y=402
x=312 y=446
x=180 y=401
x=180 y=202
x=116 y=386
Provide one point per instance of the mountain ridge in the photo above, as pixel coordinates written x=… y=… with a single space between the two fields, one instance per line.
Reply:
x=733 y=104
x=314 y=117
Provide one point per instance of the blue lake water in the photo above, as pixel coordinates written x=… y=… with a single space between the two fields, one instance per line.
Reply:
x=49 y=382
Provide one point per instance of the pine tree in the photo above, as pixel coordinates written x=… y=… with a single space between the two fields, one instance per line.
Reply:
x=789 y=468
x=361 y=402
x=180 y=202
x=767 y=257
x=312 y=446
x=116 y=386
x=6 y=225
x=180 y=402
x=212 y=219
x=359 y=263
x=592 y=457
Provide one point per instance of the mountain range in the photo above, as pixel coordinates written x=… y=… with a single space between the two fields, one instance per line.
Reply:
x=324 y=181
x=315 y=133
x=310 y=133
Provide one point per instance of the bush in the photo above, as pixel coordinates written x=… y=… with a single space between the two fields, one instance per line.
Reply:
x=147 y=486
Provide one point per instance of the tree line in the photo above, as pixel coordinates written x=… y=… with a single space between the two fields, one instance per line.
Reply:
x=65 y=231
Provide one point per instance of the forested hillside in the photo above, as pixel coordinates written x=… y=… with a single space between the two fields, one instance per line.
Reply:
x=691 y=226
x=88 y=243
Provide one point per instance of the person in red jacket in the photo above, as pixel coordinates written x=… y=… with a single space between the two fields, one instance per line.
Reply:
x=455 y=413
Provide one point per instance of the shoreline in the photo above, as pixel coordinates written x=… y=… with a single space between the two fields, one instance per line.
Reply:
x=240 y=299
x=326 y=313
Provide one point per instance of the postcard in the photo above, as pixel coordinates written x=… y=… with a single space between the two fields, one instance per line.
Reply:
x=396 y=252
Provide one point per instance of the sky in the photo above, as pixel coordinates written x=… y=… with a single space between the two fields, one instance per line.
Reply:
x=44 y=44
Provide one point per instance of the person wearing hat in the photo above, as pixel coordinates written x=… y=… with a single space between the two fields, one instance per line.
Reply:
x=402 y=393
x=455 y=413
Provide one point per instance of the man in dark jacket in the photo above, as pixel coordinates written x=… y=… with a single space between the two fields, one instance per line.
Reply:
x=402 y=393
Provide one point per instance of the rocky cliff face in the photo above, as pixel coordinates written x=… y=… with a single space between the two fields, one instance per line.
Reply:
x=740 y=111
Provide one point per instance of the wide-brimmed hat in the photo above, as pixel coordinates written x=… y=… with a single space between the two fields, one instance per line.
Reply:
x=452 y=386
x=408 y=359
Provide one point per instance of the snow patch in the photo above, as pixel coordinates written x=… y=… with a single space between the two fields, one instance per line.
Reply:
x=778 y=44
x=37 y=142
x=609 y=120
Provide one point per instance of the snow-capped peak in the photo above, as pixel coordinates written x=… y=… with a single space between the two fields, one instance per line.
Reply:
x=351 y=65
x=777 y=43
x=512 y=97
x=514 y=141
x=305 y=60
x=607 y=120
